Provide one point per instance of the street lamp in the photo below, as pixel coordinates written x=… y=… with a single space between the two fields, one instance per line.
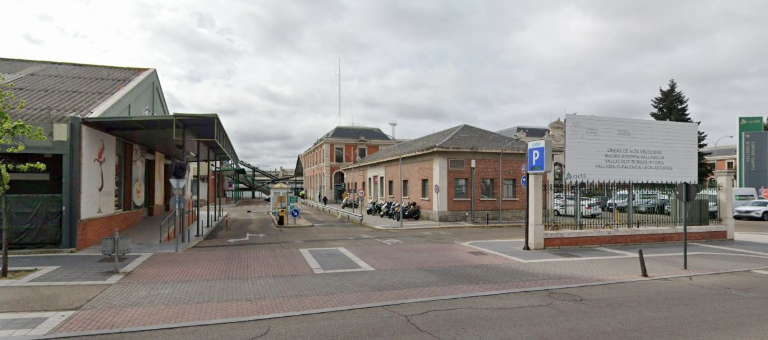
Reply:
x=501 y=197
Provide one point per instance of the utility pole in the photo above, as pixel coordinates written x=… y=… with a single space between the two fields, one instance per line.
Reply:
x=393 y=124
x=339 y=119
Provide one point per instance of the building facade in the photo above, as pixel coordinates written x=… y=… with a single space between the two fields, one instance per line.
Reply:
x=460 y=174
x=321 y=164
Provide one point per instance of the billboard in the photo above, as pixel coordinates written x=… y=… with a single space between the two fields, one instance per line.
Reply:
x=746 y=124
x=755 y=160
x=620 y=149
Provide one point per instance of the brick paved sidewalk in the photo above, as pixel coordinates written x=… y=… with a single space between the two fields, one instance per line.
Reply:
x=196 y=287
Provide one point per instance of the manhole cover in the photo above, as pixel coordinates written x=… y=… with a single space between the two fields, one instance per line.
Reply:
x=565 y=255
x=109 y=259
x=477 y=253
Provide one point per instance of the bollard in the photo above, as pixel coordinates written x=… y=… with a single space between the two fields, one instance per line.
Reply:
x=643 y=270
x=117 y=249
x=486 y=218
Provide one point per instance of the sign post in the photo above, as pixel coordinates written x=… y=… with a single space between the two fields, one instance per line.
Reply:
x=538 y=161
x=437 y=197
x=685 y=193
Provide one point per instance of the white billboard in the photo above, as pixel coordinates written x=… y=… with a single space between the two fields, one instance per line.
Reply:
x=620 y=149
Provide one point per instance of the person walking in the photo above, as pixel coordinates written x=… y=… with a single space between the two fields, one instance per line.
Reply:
x=325 y=200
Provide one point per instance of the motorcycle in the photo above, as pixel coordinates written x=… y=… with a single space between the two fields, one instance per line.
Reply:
x=348 y=203
x=413 y=212
x=385 y=209
x=371 y=207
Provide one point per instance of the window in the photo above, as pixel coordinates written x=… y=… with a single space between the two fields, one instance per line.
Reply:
x=424 y=188
x=509 y=188
x=405 y=188
x=391 y=188
x=338 y=154
x=456 y=164
x=486 y=188
x=381 y=187
x=370 y=186
x=460 y=186
x=362 y=152
x=729 y=165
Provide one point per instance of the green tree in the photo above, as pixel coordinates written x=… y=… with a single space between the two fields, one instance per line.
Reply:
x=672 y=105
x=13 y=134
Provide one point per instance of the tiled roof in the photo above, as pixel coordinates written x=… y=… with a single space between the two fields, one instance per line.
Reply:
x=53 y=91
x=462 y=137
x=354 y=132
x=530 y=131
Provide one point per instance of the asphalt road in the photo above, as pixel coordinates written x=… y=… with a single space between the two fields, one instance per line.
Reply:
x=724 y=306
x=328 y=231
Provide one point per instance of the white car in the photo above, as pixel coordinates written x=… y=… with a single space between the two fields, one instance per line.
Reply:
x=589 y=208
x=755 y=210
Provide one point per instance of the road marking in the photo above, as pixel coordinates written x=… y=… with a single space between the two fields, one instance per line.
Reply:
x=52 y=319
x=616 y=251
x=319 y=269
x=366 y=236
x=389 y=241
x=764 y=272
x=732 y=249
x=247 y=236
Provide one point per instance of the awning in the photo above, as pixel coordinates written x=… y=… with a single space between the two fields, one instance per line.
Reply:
x=164 y=134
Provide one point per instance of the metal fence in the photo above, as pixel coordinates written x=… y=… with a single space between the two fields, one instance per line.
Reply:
x=625 y=205
x=333 y=210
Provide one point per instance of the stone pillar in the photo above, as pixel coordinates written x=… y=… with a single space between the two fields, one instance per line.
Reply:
x=535 y=210
x=725 y=199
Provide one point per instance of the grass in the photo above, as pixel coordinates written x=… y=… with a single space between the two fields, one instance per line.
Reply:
x=17 y=274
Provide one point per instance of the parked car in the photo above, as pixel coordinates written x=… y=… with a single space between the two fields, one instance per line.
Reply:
x=589 y=208
x=652 y=206
x=754 y=210
x=620 y=200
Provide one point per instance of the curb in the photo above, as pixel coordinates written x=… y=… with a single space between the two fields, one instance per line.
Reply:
x=370 y=305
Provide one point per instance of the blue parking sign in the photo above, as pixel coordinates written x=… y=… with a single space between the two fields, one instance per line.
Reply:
x=539 y=156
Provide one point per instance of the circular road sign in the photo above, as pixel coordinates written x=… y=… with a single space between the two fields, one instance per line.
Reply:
x=295 y=212
x=522 y=168
x=437 y=188
x=361 y=193
x=525 y=181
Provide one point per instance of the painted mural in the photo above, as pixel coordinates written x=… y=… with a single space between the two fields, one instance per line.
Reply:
x=98 y=160
x=159 y=178
x=138 y=177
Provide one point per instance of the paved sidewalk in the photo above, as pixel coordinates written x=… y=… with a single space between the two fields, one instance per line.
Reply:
x=202 y=287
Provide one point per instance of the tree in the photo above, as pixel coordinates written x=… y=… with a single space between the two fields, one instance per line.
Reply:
x=13 y=134
x=672 y=105
x=765 y=125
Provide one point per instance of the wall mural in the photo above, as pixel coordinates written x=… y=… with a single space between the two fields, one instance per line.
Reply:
x=98 y=161
x=138 y=174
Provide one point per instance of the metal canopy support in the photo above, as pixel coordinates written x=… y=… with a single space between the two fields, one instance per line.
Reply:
x=198 y=189
x=208 y=189
x=215 y=189
x=184 y=230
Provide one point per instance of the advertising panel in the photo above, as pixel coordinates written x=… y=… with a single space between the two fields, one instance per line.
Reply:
x=620 y=149
x=746 y=124
x=755 y=161
x=97 y=195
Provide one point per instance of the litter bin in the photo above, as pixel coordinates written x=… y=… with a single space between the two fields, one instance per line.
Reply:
x=281 y=217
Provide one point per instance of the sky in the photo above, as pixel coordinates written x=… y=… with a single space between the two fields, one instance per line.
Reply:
x=270 y=68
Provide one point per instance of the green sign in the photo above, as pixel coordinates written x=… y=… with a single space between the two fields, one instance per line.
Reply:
x=293 y=199
x=746 y=124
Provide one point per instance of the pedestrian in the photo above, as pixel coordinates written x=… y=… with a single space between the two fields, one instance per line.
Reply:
x=325 y=200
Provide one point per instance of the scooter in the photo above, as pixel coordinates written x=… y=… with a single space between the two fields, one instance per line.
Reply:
x=385 y=209
x=347 y=203
x=413 y=212
x=371 y=207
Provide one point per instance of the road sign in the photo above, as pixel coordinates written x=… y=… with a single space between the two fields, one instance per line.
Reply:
x=178 y=202
x=361 y=193
x=539 y=156
x=524 y=181
x=293 y=199
x=295 y=213
x=522 y=168
x=686 y=192
x=437 y=189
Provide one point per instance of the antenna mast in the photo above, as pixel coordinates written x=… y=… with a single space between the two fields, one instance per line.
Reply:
x=339 y=120
x=393 y=124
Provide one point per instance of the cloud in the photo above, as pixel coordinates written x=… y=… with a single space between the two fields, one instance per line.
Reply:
x=269 y=68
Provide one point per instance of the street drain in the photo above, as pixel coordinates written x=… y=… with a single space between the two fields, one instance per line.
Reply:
x=565 y=255
x=477 y=253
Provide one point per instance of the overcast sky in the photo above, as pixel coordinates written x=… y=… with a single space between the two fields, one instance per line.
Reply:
x=269 y=68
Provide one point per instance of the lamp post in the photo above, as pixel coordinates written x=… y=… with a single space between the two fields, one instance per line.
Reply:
x=501 y=193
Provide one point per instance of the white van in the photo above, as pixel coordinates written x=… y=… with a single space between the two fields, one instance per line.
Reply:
x=620 y=200
x=743 y=195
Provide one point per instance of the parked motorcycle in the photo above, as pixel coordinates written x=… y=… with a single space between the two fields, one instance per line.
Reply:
x=385 y=209
x=413 y=212
x=349 y=203
x=371 y=207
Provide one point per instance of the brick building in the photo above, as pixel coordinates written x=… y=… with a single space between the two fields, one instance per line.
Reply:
x=464 y=161
x=343 y=145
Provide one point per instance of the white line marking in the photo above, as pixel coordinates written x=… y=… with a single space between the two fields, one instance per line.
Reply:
x=732 y=249
x=319 y=270
x=389 y=241
x=764 y=272
x=616 y=251
x=247 y=236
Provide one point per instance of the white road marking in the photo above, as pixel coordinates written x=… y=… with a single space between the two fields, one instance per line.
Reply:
x=764 y=272
x=616 y=251
x=366 y=236
x=389 y=241
x=319 y=270
x=247 y=236
x=732 y=249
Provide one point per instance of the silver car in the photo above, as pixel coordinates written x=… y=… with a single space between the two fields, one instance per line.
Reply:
x=754 y=210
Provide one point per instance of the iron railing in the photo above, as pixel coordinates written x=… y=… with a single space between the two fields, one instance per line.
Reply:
x=329 y=209
x=625 y=205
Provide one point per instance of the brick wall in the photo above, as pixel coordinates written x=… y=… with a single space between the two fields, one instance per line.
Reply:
x=632 y=239
x=91 y=231
x=486 y=168
x=157 y=210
